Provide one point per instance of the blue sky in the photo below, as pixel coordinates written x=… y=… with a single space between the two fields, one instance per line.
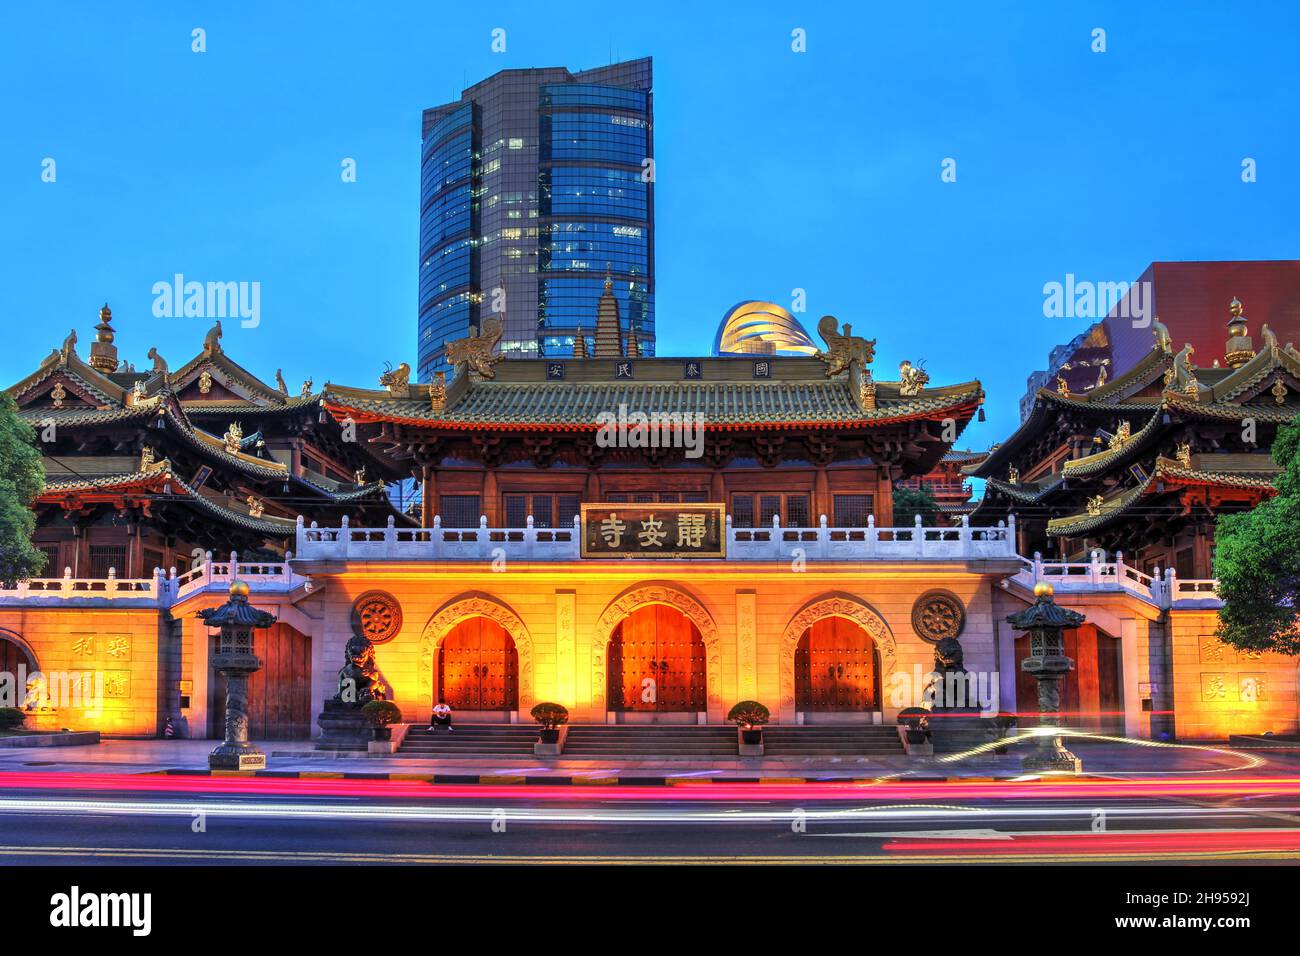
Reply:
x=775 y=170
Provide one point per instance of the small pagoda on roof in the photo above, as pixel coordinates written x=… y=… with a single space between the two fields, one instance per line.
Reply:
x=145 y=468
x=1145 y=462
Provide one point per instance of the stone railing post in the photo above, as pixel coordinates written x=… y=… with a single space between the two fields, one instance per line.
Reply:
x=1171 y=587
x=390 y=537
x=110 y=585
x=918 y=536
x=484 y=550
x=824 y=537
x=964 y=536
x=873 y=535
x=345 y=539
x=435 y=539
x=729 y=538
x=775 y=549
x=300 y=532
x=1038 y=566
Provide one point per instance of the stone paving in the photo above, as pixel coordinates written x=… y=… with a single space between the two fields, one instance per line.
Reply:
x=1099 y=758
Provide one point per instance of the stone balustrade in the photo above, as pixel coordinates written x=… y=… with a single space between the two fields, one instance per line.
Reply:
x=1097 y=575
x=766 y=543
x=161 y=590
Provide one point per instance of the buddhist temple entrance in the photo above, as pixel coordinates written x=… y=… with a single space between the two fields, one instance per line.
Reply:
x=478 y=667
x=279 y=695
x=836 y=669
x=656 y=663
x=1092 y=693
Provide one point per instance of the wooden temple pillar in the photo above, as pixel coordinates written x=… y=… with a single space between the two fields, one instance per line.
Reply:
x=428 y=495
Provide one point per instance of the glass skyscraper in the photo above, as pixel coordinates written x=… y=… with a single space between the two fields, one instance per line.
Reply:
x=532 y=185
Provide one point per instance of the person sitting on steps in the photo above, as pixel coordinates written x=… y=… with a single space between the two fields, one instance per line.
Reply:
x=441 y=716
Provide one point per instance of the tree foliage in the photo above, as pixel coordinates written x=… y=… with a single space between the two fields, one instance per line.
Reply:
x=910 y=502
x=1257 y=560
x=22 y=478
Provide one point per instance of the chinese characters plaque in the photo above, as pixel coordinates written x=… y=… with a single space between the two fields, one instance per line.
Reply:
x=653 y=531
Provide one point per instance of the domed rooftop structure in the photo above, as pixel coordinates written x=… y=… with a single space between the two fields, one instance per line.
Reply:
x=761 y=328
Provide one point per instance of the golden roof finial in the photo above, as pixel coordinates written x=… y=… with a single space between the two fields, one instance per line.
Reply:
x=609 y=278
x=1235 y=306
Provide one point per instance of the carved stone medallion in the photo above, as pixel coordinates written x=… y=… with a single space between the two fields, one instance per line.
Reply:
x=377 y=615
x=938 y=614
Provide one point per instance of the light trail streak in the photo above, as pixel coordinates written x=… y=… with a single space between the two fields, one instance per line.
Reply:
x=896 y=791
x=686 y=814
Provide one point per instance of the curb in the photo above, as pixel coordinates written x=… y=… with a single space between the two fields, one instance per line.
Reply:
x=570 y=781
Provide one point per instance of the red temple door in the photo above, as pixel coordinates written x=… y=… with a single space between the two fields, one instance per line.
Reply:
x=656 y=662
x=478 y=667
x=279 y=695
x=835 y=668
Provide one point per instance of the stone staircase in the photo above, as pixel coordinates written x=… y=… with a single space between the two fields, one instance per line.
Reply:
x=849 y=740
x=470 y=740
x=650 y=741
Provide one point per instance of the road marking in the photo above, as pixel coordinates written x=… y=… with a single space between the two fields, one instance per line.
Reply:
x=291 y=856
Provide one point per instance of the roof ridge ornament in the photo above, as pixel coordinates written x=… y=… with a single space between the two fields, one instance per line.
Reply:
x=212 y=341
x=69 y=347
x=396 y=380
x=159 y=363
x=438 y=392
x=475 y=350
x=234 y=438
x=280 y=382
x=1160 y=332
x=843 y=348
x=914 y=378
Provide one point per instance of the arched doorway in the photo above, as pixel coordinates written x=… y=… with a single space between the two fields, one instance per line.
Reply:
x=14 y=655
x=279 y=695
x=478 y=667
x=1092 y=695
x=836 y=669
x=657 y=663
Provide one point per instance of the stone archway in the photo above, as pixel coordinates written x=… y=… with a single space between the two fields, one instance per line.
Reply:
x=476 y=605
x=833 y=605
x=21 y=647
x=655 y=593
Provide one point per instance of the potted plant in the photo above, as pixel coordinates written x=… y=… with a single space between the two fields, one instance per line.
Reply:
x=917 y=722
x=11 y=718
x=381 y=713
x=750 y=716
x=550 y=716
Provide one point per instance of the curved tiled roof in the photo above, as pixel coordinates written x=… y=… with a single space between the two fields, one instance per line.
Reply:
x=151 y=480
x=579 y=405
x=1102 y=461
x=1167 y=471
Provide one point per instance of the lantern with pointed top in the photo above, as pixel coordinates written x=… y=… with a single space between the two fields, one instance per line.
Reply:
x=1046 y=621
x=235 y=661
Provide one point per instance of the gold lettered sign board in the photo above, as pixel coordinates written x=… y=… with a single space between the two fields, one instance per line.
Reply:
x=653 y=531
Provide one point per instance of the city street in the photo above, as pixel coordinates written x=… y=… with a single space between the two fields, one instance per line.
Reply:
x=82 y=818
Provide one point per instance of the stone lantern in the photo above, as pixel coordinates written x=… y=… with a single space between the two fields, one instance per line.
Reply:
x=235 y=660
x=1046 y=621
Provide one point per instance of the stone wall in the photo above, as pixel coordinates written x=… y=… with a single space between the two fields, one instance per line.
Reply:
x=85 y=650
x=1219 y=691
